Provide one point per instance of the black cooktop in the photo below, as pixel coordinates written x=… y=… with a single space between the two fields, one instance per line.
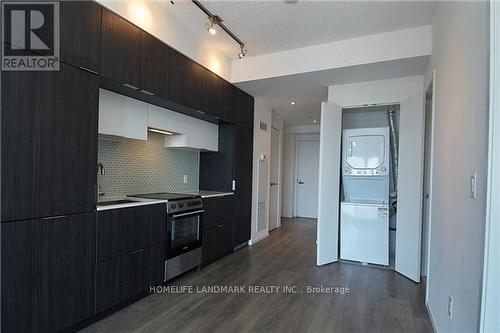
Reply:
x=166 y=196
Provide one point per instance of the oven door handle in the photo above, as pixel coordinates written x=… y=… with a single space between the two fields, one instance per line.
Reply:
x=190 y=213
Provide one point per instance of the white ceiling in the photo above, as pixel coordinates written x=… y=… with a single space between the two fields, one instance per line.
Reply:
x=274 y=25
x=271 y=26
x=308 y=90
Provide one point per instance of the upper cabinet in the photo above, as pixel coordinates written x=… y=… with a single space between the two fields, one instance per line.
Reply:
x=80 y=37
x=154 y=73
x=49 y=143
x=187 y=82
x=122 y=116
x=213 y=103
x=244 y=108
x=228 y=102
x=120 y=45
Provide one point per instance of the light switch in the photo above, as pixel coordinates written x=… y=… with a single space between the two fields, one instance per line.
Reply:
x=185 y=179
x=473 y=186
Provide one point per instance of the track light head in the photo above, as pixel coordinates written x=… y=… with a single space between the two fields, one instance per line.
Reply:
x=211 y=24
x=243 y=51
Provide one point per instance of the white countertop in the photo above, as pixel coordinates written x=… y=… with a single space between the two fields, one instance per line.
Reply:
x=137 y=202
x=208 y=194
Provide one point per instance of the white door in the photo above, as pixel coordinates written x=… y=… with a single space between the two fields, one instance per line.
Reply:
x=329 y=175
x=274 y=192
x=410 y=180
x=307 y=178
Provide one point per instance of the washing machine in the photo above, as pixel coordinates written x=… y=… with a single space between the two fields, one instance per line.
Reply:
x=364 y=212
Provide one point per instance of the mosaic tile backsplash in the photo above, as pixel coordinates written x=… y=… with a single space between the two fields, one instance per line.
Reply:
x=133 y=167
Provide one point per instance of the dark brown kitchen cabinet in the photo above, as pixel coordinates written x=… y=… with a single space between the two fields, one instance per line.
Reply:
x=18 y=262
x=49 y=143
x=66 y=270
x=154 y=73
x=80 y=34
x=242 y=219
x=217 y=242
x=47 y=272
x=228 y=102
x=213 y=103
x=217 y=228
x=216 y=168
x=124 y=230
x=244 y=109
x=187 y=82
x=124 y=278
x=120 y=44
x=243 y=158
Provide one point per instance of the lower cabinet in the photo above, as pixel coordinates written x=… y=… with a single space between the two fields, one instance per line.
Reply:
x=242 y=219
x=217 y=242
x=217 y=228
x=126 y=277
x=48 y=270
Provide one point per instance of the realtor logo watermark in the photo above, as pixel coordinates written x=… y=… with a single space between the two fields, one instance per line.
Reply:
x=30 y=36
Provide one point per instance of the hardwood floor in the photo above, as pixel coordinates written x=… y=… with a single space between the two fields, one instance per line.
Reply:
x=380 y=300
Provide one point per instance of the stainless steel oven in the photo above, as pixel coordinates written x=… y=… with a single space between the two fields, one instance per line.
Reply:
x=184 y=236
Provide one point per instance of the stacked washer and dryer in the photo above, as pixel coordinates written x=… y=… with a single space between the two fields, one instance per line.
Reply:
x=364 y=212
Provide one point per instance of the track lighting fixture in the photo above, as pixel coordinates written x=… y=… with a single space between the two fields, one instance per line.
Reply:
x=213 y=21
x=211 y=24
x=172 y=2
x=243 y=51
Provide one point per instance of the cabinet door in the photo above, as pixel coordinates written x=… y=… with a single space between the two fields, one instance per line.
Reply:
x=123 y=278
x=243 y=158
x=124 y=230
x=217 y=243
x=242 y=220
x=80 y=38
x=187 y=82
x=154 y=66
x=18 y=242
x=49 y=140
x=210 y=214
x=213 y=95
x=216 y=168
x=228 y=102
x=66 y=267
x=244 y=109
x=120 y=42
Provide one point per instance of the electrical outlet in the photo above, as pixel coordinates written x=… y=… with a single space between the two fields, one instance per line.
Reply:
x=450 y=307
x=185 y=179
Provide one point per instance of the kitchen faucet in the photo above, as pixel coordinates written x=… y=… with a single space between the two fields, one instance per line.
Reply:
x=101 y=171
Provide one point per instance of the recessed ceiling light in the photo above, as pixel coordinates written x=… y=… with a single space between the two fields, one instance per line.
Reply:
x=315 y=121
x=292 y=103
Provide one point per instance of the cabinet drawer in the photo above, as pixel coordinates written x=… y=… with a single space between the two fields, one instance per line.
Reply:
x=124 y=230
x=125 y=277
x=217 y=242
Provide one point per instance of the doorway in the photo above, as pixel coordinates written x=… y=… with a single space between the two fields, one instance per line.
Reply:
x=307 y=179
x=274 y=188
x=426 y=197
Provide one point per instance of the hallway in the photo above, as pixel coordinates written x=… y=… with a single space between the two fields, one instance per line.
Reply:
x=379 y=300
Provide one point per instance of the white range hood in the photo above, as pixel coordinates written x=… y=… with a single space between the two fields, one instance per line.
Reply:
x=124 y=117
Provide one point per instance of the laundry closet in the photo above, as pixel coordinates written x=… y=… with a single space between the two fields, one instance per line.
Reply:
x=369 y=178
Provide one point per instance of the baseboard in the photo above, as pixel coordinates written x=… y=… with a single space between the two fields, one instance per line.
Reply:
x=258 y=238
x=434 y=329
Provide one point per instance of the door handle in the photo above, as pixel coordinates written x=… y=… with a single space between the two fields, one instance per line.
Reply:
x=300 y=181
x=274 y=184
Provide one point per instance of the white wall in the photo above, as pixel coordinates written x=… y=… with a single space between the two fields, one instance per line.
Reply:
x=261 y=145
x=403 y=44
x=460 y=59
x=409 y=92
x=490 y=321
x=153 y=17
x=288 y=165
